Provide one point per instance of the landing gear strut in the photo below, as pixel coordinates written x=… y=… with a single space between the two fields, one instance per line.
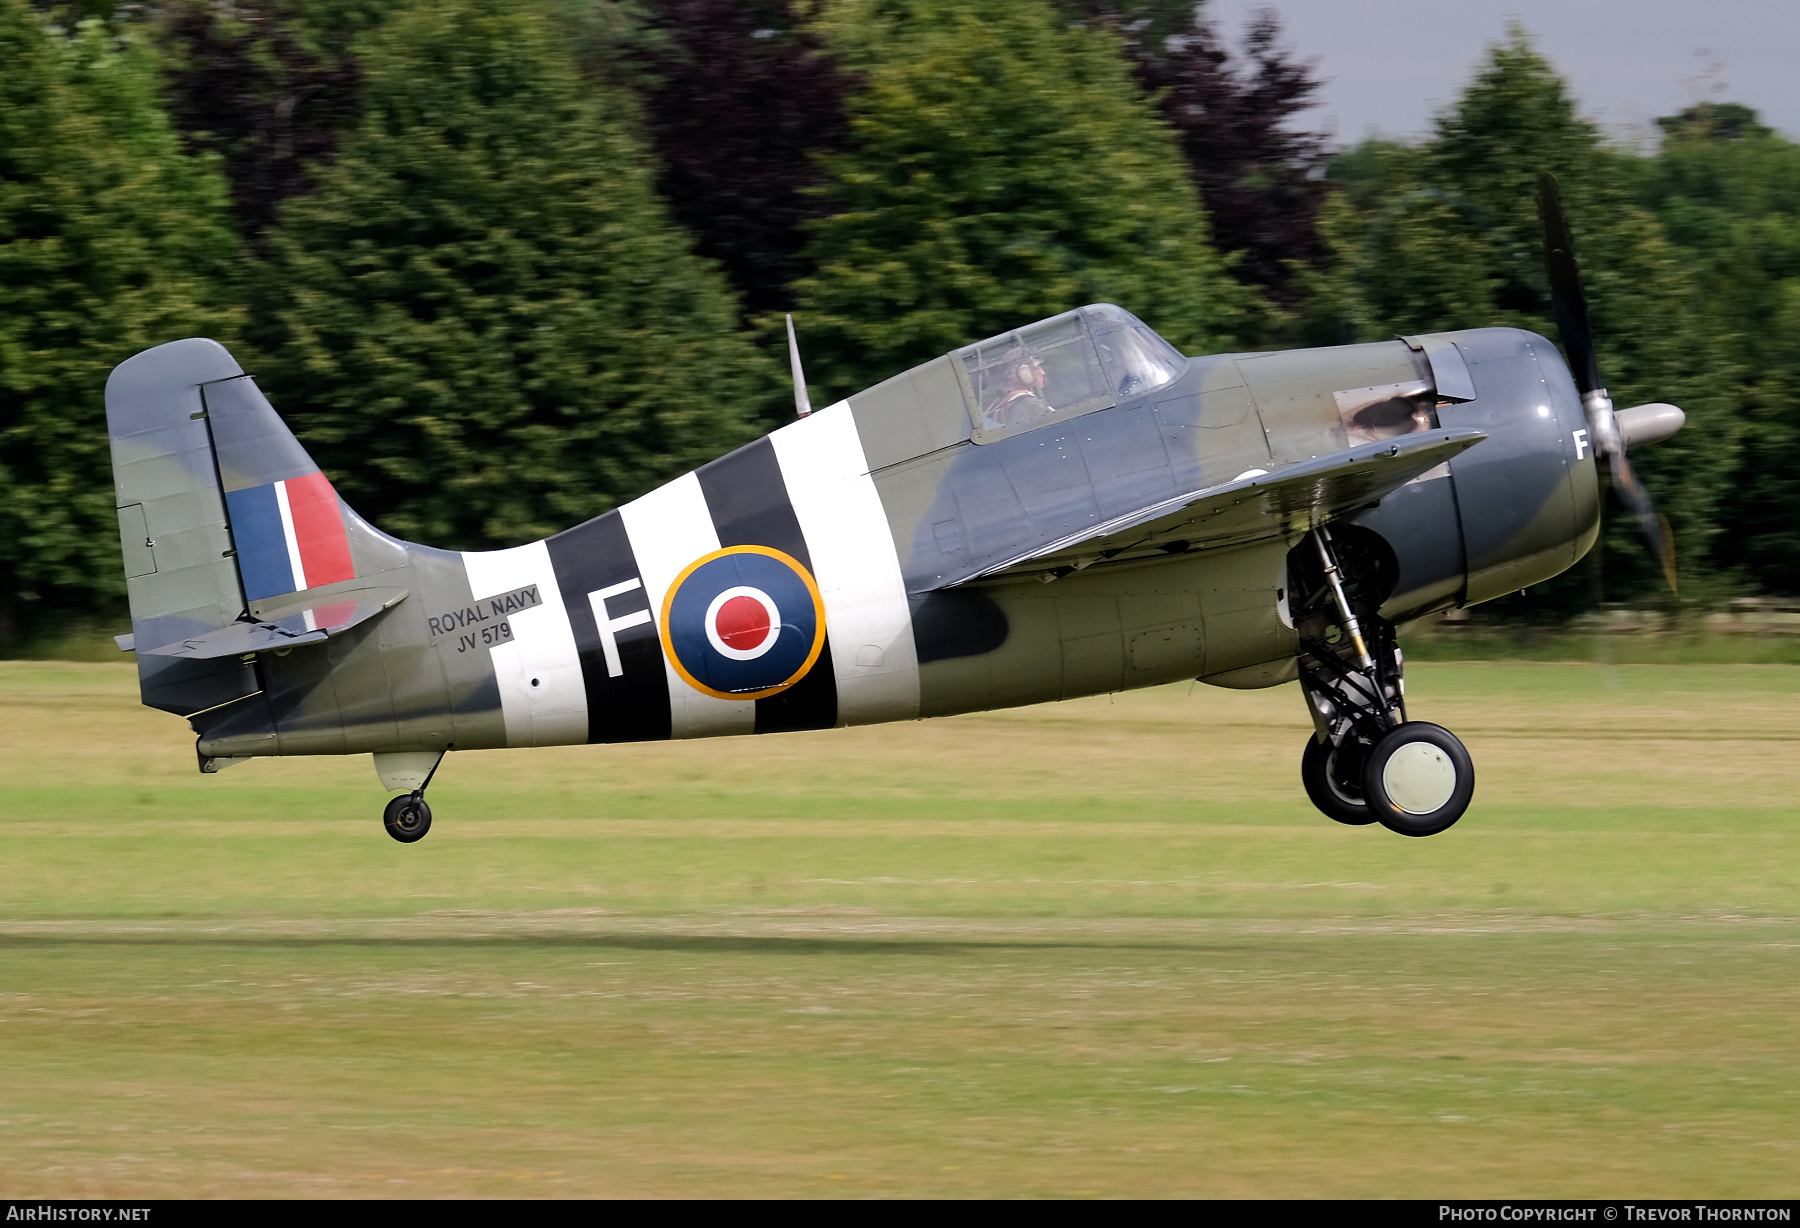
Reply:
x=1366 y=763
x=408 y=817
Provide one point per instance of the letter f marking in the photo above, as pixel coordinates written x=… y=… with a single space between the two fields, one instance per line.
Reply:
x=610 y=627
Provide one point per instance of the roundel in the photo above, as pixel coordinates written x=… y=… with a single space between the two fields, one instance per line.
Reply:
x=743 y=622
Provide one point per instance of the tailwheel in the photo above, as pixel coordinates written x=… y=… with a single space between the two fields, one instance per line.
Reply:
x=1333 y=779
x=407 y=817
x=1418 y=779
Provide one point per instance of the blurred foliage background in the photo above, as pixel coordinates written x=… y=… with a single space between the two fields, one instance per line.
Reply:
x=505 y=264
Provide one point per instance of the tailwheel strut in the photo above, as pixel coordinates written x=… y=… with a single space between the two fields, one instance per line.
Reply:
x=1366 y=762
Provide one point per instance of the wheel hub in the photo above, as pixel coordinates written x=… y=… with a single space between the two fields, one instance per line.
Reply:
x=1419 y=778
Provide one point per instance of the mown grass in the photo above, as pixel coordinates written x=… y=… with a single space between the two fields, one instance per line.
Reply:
x=1518 y=641
x=1095 y=948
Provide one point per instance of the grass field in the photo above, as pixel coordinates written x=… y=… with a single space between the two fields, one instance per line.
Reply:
x=1098 y=948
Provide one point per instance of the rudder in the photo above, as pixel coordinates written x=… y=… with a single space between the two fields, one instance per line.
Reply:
x=286 y=521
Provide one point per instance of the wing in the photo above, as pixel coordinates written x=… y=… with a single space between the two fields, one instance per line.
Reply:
x=1301 y=496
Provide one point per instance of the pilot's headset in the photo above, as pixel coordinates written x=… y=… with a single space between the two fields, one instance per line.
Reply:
x=1025 y=372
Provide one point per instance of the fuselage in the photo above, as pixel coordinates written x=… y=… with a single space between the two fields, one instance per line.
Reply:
x=869 y=511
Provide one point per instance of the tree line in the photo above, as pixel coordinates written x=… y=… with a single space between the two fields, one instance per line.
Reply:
x=505 y=264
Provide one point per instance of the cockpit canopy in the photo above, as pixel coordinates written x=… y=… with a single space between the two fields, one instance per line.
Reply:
x=1074 y=363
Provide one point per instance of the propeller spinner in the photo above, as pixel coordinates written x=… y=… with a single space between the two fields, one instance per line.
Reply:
x=1609 y=431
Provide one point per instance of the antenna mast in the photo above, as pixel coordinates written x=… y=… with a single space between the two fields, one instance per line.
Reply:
x=802 y=404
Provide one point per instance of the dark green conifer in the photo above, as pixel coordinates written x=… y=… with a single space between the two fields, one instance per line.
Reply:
x=111 y=240
x=268 y=85
x=1727 y=190
x=483 y=321
x=1003 y=167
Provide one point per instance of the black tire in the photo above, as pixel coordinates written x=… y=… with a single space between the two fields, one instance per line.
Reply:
x=407 y=818
x=1336 y=796
x=1419 y=779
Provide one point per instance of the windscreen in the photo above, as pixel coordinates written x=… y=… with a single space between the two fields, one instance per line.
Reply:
x=1136 y=359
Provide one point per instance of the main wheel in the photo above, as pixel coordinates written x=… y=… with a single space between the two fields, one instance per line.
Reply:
x=407 y=818
x=1418 y=779
x=1337 y=792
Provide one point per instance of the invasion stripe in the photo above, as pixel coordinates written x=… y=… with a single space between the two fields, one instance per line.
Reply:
x=856 y=564
x=599 y=577
x=669 y=528
x=748 y=498
x=538 y=669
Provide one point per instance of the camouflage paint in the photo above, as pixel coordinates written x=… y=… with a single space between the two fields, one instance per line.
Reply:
x=884 y=501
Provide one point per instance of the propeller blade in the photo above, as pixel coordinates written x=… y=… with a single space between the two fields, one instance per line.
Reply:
x=1653 y=525
x=1567 y=301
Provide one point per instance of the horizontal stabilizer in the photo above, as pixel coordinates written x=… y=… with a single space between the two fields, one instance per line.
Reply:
x=304 y=618
x=1299 y=496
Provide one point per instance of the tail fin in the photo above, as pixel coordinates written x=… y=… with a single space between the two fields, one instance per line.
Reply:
x=220 y=509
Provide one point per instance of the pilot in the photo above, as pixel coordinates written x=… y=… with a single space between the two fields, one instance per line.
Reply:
x=1022 y=397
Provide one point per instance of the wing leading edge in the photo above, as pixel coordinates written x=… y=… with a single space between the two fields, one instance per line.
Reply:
x=1302 y=495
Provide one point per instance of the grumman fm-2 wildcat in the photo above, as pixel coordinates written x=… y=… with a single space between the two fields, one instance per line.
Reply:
x=1070 y=508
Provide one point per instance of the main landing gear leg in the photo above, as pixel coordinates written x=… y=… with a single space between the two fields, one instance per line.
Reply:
x=408 y=817
x=1366 y=762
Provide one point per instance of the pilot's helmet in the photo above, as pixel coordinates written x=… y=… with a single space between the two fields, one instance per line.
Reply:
x=1024 y=371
